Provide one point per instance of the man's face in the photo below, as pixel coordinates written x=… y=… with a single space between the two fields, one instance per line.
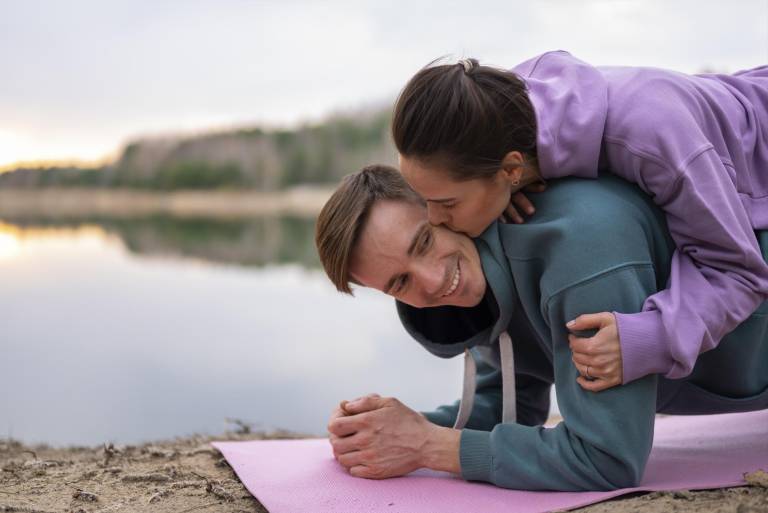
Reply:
x=401 y=254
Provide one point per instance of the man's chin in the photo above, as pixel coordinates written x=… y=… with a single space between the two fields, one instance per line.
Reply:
x=463 y=302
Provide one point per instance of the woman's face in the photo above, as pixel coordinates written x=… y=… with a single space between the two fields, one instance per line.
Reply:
x=468 y=206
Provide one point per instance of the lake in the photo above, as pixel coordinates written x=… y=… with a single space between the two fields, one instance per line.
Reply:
x=142 y=329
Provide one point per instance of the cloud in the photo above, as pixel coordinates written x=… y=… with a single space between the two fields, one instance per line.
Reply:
x=85 y=75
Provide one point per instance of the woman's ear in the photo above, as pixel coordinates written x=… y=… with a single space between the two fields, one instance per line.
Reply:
x=513 y=167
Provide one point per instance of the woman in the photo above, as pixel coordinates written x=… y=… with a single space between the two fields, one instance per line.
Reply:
x=470 y=136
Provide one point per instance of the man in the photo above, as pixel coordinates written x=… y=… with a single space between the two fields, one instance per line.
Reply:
x=592 y=246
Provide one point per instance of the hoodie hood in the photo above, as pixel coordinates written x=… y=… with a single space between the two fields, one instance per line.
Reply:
x=570 y=98
x=446 y=331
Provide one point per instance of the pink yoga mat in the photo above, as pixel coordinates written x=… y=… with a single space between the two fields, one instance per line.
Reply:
x=289 y=476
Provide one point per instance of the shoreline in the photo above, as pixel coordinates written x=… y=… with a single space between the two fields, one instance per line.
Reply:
x=79 y=202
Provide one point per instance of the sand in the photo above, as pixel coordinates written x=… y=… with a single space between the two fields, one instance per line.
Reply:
x=187 y=474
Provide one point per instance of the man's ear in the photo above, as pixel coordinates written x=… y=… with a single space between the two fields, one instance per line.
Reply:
x=513 y=166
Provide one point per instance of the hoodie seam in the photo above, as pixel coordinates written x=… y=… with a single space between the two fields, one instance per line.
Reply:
x=659 y=161
x=588 y=279
x=540 y=58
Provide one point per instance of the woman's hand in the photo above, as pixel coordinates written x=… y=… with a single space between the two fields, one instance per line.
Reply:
x=519 y=202
x=598 y=358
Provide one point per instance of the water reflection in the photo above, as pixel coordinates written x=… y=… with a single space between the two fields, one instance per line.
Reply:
x=245 y=241
x=101 y=340
x=100 y=344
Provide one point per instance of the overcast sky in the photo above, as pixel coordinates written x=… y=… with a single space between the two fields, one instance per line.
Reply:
x=81 y=77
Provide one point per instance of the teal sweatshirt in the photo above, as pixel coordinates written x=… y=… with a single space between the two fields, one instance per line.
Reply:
x=593 y=246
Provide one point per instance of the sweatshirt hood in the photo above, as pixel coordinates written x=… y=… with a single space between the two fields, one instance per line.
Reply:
x=570 y=98
x=446 y=331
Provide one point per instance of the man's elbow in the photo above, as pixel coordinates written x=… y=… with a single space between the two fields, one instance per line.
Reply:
x=623 y=472
x=626 y=478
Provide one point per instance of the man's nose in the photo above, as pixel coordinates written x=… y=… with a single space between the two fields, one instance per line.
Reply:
x=431 y=277
x=437 y=215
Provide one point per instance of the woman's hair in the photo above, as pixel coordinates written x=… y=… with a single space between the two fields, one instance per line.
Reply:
x=465 y=118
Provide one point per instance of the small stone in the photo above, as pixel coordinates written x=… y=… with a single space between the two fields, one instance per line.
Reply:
x=82 y=495
x=220 y=492
x=146 y=478
x=157 y=497
x=757 y=478
x=158 y=452
x=683 y=494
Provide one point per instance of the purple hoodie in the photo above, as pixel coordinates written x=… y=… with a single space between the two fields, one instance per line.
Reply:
x=698 y=144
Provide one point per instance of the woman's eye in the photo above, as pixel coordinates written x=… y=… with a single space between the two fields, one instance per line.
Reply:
x=403 y=283
x=449 y=205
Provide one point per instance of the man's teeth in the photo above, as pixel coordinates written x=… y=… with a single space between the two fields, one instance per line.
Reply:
x=455 y=282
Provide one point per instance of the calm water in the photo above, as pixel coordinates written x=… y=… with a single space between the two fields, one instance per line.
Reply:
x=136 y=330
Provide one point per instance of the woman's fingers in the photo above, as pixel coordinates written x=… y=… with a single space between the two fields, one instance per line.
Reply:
x=601 y=361
x=601 y=376
x=521 y=201
x=513 y=215
x=582 y=359
x=518 y=204
x=597 y=385
x=590 y=321
x=588 y=371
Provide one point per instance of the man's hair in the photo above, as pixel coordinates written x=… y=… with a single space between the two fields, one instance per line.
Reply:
x=344 y=215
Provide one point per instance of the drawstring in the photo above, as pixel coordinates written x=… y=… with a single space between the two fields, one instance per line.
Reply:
x=508 y=392
x=468 y=390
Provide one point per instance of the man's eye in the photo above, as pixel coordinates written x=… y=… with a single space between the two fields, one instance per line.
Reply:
x=425 y=240
x=401 y=285
x=449 y=205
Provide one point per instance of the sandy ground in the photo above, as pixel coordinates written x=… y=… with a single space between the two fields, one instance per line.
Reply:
x=187 y=475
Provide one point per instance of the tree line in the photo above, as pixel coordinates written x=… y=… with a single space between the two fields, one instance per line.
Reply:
x=252 y=158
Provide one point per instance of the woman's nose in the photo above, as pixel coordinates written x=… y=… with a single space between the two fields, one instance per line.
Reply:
x=437 y=215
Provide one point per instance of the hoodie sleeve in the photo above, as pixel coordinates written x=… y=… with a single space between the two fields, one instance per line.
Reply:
x=532 y=401
x=718 y=275
x=605 y=439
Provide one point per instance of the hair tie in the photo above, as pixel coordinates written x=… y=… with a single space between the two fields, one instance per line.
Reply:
x=467 y=64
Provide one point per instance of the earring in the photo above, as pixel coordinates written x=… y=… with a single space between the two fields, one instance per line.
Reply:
x=516 y=182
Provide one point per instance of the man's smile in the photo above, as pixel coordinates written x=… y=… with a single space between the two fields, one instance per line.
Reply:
x=455 y=280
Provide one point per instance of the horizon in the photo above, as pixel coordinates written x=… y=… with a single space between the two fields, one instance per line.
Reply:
x=180 y=135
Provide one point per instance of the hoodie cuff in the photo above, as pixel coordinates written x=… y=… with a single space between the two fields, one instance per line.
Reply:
x=644 y=348
x=441 y=418
x=475 y=455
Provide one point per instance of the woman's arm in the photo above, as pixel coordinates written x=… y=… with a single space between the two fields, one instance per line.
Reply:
x=718 y=275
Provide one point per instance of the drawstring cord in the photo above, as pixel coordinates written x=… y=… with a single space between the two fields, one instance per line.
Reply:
x=508 y=392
